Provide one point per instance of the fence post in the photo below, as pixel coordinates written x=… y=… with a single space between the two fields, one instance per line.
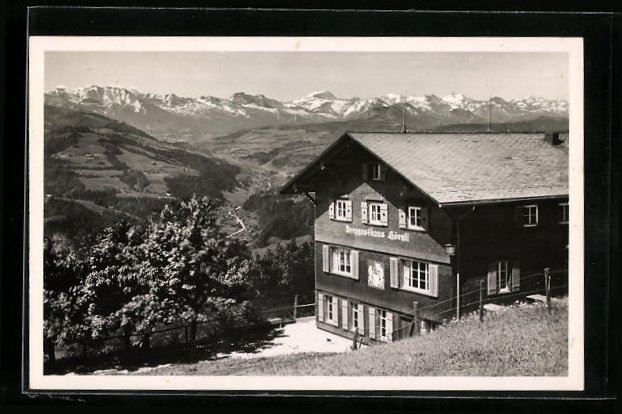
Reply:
x=547 y=286
x=458 y=296
x=186 y=333
x=48 y=345
x=481 y=300
x=355 y=340
x=295 y=306
x=414 y=326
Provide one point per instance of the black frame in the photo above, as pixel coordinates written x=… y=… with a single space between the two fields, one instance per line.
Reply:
x=602 y=35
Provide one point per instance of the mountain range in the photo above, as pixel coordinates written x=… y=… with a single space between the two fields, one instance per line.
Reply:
x=175 y=118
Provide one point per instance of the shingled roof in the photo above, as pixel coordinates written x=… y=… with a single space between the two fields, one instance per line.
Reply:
x=468 y=167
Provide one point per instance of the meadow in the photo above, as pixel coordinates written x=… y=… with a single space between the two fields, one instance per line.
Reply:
x=521 y=340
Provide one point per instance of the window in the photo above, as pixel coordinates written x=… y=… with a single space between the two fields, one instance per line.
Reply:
x=342 y=261
x=415 y=218
x=382 y=328
x=530 y=215
x=375 y=213
x=417 y=276
x=355 y=316
x=564 y=213
x=331 y=309
x=377 y=172
x=503 y=279
x=341 y=210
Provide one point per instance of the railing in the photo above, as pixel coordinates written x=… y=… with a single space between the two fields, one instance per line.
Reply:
x=179 y=333
x=547 y=289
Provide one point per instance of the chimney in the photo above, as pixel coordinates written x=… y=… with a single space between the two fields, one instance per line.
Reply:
x=553 y=138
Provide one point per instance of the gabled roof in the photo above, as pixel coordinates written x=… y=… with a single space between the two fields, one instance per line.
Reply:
x=468 y=167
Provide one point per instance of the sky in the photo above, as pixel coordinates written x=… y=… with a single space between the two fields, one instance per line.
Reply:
x=290 y=75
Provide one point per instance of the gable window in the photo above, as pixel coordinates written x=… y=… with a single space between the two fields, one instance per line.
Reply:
x=530 y=215
x=376 y=213
x=376 y=172
x=563 y=213
x=415 y=218
x=343 y=210
x=417 y=276
x=340 y=210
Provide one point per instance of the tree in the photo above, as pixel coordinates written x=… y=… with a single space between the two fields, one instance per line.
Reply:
x=283 y=272
x=195 y=265
x=300 y=269
x=115 y=279
x=63 y=305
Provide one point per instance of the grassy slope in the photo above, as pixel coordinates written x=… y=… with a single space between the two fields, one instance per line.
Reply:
x=98 y=170
x=521 y=341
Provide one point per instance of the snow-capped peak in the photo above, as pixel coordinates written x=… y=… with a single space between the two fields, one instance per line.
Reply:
x=322 y=95
x=454 y=99
x=243 y=110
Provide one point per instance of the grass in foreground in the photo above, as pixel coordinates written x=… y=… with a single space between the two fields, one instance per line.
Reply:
x=521 y=341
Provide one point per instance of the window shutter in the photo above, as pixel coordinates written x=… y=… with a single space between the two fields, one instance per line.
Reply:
x=433 y=272
x=383 y=172
x=515 y=276
x=365 y=171
x=344 y=314
x=331 y=211
x=384 y=214
x=371 y=312
x=361 y=327
x=325 y=258
x=349 y=210
x=354 y=257
x=425 y=218
x=492 y=278
x=320 y=306
x=402 y=218
x=337 y=312
x=519 y=219
x=389 y=326
x=394 y=272
x=364 y=212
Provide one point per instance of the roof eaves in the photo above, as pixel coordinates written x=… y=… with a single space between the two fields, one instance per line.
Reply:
x=500 y=200
x=286 y=188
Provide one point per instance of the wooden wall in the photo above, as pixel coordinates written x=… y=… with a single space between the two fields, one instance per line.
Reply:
x=345 y=177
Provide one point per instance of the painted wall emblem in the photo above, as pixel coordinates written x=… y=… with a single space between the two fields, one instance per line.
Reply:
x=375 y=274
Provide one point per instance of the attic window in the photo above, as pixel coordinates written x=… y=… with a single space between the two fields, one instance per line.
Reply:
x=378 y=172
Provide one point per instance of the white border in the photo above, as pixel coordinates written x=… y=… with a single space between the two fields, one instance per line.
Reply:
x=37 y=48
